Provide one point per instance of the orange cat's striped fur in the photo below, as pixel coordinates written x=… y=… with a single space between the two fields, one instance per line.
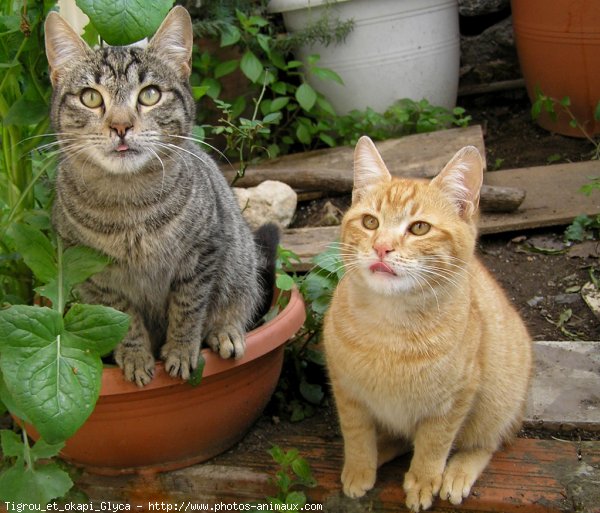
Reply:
x=423 y=348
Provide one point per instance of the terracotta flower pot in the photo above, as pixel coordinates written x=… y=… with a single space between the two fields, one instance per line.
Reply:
x=170 y=424
x=558 y=43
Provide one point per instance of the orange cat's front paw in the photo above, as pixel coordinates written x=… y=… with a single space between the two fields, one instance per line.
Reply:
x=421 y=489
x=357 y=482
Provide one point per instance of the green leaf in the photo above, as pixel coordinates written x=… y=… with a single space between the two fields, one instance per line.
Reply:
x=225 y=68
x=251 y=66
x=303 y=134
x=296 y=498
x=284 y=282
x=40 y=485
x=301 y=468
x=306 y=96
x=565 y=102
x=230 y=35
x=96 y=328
x=35 y=248
x=81 y=262
x=597 y=112
x=312 y=393
x=273 y=117
x=122 y=22
x=42 y=450
x=196 y=376
x=327 y=74
x=12 y=444
x=199 y=91
x=279 y=103
x=52 y=369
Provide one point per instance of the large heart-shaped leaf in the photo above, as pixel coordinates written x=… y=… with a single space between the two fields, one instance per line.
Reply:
x=52 y=368
x=122 y=22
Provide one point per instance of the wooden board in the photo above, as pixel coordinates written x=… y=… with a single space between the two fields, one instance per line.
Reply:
x=553 y=198
x=422 y=155
x=531 y=475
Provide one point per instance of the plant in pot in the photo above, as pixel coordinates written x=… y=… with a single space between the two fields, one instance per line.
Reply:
x=53 y=380
x=407 y=49
x=558 y=44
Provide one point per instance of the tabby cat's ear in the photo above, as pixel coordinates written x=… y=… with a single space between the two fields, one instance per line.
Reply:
x=369 y=168
x=63 y=45
x=174 y=40
x=461 y=180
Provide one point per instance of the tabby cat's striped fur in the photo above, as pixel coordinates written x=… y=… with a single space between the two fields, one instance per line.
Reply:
x=132 y=185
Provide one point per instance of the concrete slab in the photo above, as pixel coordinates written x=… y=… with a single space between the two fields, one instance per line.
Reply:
x=565 y=391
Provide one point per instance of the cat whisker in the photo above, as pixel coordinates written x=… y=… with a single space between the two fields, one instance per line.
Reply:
x=203 y=142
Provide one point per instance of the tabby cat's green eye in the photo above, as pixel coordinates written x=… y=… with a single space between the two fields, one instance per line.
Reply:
x=419 y=228
x=91 y=98
x=370 y=222
x=149 y=96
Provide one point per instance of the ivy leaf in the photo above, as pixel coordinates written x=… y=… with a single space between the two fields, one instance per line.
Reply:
x=306 y=96
x=122 y=22
x=39 y=485
x=251 y=66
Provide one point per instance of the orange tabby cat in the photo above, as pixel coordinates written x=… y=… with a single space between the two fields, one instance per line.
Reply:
x=422 y=346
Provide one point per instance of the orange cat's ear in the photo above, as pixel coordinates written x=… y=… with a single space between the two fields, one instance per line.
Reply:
x=461 y=180
x=174 y=40
x=369 y=168
x=63 y=45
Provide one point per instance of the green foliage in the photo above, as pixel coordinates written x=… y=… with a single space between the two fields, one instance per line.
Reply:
x=50 y=360
x=286 y=114
x=583 y=228
x=301 y=387
x=294 y=472
x=549 y=105
x=30 y=479
x=122 y=22
x=24 y=97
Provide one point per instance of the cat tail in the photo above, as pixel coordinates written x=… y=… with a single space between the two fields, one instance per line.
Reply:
x=267 y=239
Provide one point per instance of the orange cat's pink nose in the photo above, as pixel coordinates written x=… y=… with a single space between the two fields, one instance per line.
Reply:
x=382 y=249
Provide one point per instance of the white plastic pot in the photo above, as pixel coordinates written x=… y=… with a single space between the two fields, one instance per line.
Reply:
x=397 y=49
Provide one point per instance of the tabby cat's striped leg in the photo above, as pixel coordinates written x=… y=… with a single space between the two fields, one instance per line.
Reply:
x=186 y=317
x=134 y=352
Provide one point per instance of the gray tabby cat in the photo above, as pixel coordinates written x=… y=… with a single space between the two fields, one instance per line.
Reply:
x=132 y=185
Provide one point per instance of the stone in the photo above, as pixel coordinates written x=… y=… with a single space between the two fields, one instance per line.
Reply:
x=271 y=201
x=490 y=56
x=480 y=7
x=565 y=389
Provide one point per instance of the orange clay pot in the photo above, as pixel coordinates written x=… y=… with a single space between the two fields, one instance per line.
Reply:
x=558 y=43
x=169 y=424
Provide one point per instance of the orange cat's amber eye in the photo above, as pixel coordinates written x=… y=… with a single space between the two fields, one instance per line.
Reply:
x=370 y=222
x=419 y=228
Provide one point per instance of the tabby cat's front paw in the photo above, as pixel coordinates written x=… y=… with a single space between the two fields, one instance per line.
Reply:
x=137 y=363
x=228 y=341
x=357 y=481
x=421 y=489
x=180 y=358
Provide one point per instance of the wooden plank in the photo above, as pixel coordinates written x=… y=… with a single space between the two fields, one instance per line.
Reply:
x=552 y=199
x=420 y=155
x=530 y=475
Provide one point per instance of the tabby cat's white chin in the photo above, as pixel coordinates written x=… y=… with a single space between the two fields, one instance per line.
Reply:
x=123 y=163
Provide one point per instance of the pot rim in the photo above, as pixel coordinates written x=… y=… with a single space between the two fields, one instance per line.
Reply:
x=259 y=341
x=296 y=5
